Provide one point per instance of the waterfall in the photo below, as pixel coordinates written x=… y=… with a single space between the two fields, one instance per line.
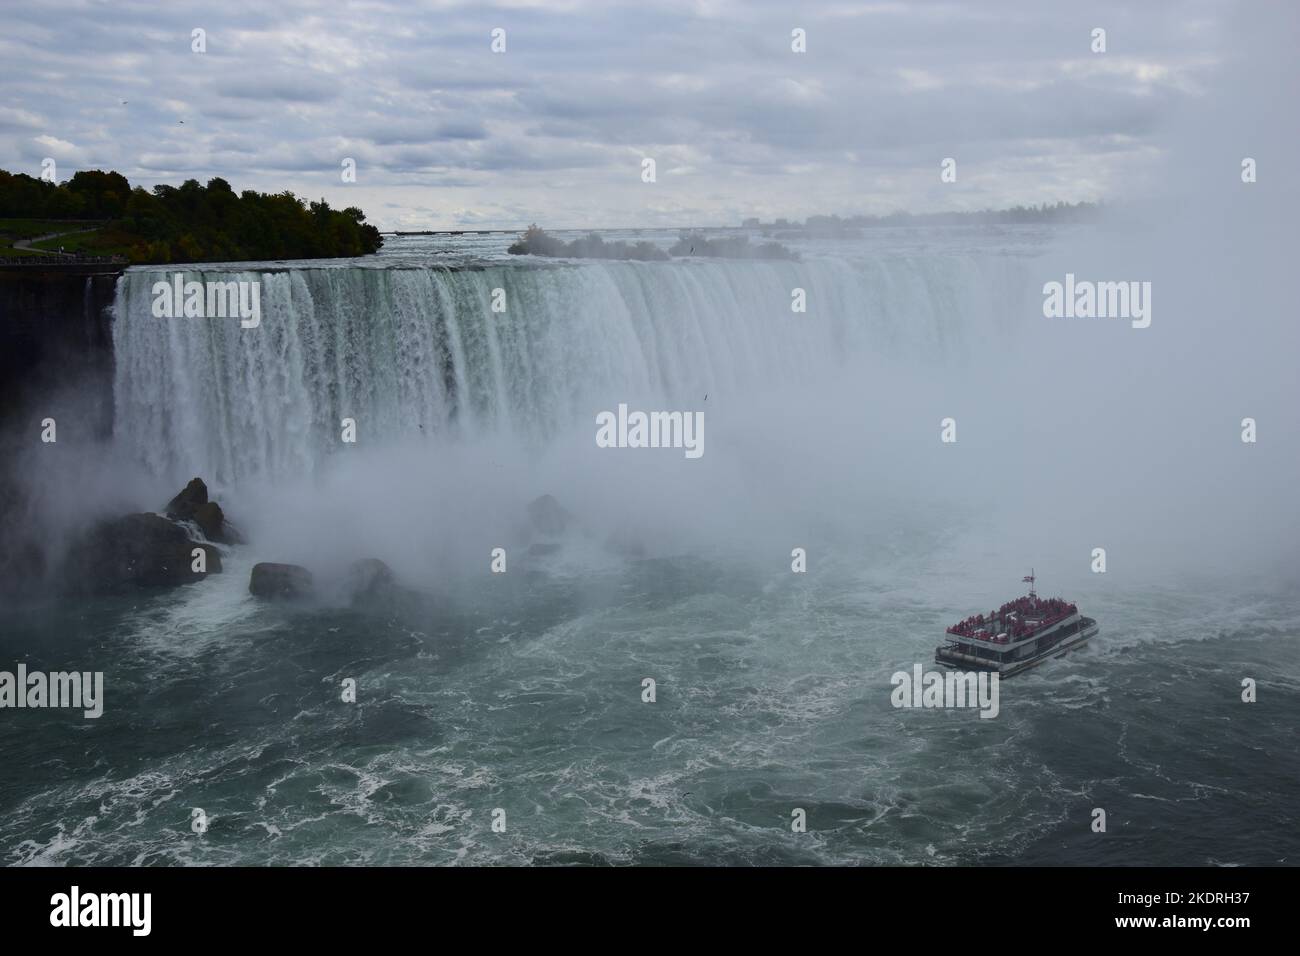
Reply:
x=406 y=351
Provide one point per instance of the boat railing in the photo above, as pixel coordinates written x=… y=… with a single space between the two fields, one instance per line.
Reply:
x=982 y=630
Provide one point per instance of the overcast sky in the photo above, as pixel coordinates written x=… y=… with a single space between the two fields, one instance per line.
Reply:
x=446 y=132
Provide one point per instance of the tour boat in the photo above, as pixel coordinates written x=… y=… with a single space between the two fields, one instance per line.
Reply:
x=1017 y=636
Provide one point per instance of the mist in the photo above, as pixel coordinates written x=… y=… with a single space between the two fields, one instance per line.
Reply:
x=822 y=429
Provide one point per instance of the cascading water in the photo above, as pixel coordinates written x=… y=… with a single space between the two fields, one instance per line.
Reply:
x=405 y=351
x=522 y=690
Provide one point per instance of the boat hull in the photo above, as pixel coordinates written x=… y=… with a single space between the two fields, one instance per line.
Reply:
x=949 y=657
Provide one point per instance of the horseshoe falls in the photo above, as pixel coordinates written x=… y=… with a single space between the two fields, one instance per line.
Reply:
x=542 y=579
x=412 y=351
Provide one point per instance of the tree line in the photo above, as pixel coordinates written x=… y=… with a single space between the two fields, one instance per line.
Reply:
x=190 y=222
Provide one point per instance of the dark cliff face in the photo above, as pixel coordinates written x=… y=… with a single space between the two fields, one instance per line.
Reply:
x=56 y=353
x=56 y=361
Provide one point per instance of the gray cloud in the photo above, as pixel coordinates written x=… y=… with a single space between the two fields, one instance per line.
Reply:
x=738 y=123
x=292 y=89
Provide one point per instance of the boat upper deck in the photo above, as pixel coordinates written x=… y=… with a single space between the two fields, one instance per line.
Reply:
x=1018 y=620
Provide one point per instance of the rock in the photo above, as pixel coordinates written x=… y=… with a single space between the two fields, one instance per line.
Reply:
x=186 y=504
x=193 y=504
x=139 y=550
x=230 y=534
x=210 y=519
x=213 y=557
x=23 y=560
x=270 y=580
x=548 y=515
x=369 y=579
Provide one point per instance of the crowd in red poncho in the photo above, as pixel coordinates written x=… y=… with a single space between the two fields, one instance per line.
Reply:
x=1045 y=611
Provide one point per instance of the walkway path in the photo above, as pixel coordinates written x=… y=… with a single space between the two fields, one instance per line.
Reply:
x=27 y=243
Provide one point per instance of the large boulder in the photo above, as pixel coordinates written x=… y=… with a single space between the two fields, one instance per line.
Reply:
x=270 y=580
x=209 y=518
x=186 y=504
x=139 y=550
x=193 y=504
x=369 y=580
x=548 y=516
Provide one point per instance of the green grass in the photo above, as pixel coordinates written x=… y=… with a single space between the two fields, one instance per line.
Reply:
x=14 y=230
x=85 y=242
x=110 y=240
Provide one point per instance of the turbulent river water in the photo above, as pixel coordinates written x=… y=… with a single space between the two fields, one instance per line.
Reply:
x=522 y=692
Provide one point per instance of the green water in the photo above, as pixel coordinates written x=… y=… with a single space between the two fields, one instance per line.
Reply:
x=524 y=693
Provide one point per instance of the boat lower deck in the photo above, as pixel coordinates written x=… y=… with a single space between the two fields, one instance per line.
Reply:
x=950 y=656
